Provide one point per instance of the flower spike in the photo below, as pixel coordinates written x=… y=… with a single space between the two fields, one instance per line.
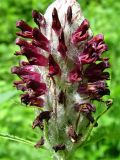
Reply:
x=64 y=72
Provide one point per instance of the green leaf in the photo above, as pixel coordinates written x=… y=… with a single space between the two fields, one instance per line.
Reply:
x=15 y=138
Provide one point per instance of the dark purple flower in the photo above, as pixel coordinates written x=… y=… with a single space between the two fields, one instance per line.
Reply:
x=75 y=75
x=93 y=50
x=21 y=42
x=32 y=100
x=26 y=73
x=85 y=108
x=81 y=33
x=40 y=40
x=38 y=87
x=26 y=30
x=38 y=122
x=95 y=90
x=20 y=85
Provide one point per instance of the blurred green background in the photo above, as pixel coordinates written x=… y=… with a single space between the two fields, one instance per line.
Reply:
x=16 y=119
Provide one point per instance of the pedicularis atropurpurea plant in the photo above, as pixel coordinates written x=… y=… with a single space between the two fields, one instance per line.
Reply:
x=63 y=74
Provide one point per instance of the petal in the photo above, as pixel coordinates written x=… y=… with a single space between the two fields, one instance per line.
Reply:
x=37 y=123
x=32 y=101
x=26 y=29
x=54 y=68
x=94 y=90
x=85 y=107
x=45 y=115
x=21 y=42
x=38 y=19
x=81 y=33
x=69 y=14
x=39 y=143
x=34 y=56
x=75 y=75
x=20 y=85
x=94 y=72
x=93 y=50
x=25 y=34
x=56 y=25
x=40 y=40
x=23 y=26
x=39 y=119
x=62 y=48
x=38 y=87
x=26 y=74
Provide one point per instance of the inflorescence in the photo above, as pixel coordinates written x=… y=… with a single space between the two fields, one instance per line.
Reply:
x=63 y=74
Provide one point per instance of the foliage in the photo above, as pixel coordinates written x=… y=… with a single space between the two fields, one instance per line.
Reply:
x=15 y=119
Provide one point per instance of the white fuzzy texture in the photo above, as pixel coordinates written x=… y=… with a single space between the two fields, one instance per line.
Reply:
x=57 y=127
x=73 y=51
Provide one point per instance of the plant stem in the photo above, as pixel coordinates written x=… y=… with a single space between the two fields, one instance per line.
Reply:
x=92 y=125
x=60 y=156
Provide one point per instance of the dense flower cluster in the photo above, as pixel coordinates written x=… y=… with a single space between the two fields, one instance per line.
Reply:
x=64 y=71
